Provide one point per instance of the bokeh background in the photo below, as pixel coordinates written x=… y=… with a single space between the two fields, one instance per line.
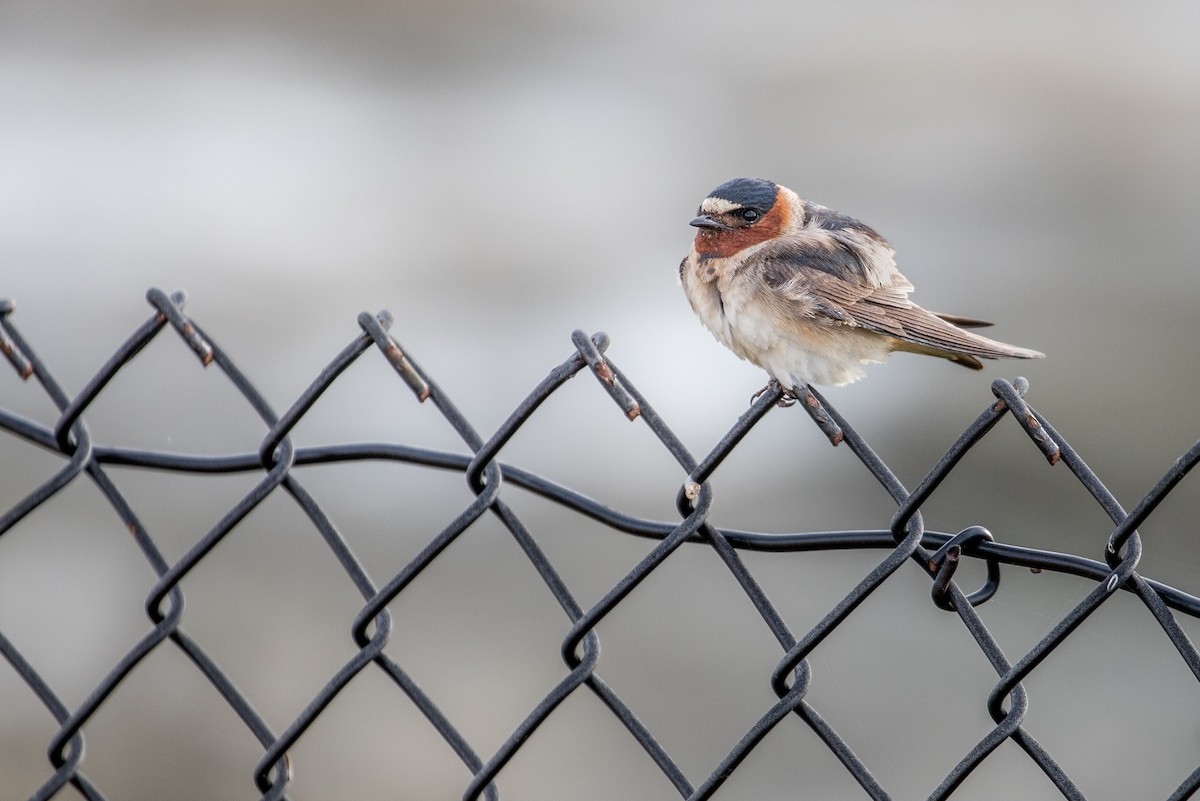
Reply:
x=498 y=175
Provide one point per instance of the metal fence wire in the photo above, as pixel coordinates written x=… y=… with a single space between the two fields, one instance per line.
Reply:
x=906 y=539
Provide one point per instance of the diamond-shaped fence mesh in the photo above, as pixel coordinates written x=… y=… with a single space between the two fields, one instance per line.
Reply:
x=577 y=668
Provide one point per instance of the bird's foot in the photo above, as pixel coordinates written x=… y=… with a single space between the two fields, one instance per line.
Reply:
x=786 y=398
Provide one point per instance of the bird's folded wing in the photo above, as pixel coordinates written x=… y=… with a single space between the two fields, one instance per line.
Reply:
x=811 y=284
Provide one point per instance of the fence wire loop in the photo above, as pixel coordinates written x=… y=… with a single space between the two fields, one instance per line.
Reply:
x=276 y=463
x=944 y=563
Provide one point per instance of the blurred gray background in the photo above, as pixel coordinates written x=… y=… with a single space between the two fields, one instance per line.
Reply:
x=498 y=175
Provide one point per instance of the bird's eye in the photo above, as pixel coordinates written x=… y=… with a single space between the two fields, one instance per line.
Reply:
x=749 y=215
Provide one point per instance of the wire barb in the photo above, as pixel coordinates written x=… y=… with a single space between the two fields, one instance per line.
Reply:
x=804 y=395
x=377 y=326
x=16 y=358
x=1010 y=397
x=592 y=350
x=170 y=307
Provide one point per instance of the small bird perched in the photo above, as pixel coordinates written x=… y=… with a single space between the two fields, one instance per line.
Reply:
x=809 y=294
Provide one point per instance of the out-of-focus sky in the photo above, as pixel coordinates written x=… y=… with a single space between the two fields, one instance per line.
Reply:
x=498 y=175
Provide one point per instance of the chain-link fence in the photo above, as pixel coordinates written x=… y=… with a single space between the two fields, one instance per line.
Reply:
x=492 y=483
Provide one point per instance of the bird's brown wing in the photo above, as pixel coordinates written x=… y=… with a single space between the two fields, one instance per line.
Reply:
x=815 y=283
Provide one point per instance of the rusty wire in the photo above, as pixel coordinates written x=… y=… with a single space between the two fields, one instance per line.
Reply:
x=938 y=554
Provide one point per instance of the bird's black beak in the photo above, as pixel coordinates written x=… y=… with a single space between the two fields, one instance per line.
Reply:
x=705 y=221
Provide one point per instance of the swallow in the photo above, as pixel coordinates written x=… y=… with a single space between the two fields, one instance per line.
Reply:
x=810 y=294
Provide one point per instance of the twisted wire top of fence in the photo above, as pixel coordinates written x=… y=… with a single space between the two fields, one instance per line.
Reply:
x=488 y=477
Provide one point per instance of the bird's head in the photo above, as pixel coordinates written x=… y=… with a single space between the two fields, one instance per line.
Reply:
x=741 y=213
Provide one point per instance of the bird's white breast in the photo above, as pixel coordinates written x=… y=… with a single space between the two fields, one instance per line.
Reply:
x=790 y=344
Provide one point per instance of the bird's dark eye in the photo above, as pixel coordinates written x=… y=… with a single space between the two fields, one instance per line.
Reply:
x=749 y=215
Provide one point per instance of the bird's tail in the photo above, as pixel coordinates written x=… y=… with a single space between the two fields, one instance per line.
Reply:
x=942 y=335
x=962 y=322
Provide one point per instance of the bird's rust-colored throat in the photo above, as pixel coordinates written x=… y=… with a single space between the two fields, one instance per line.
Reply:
x=721 y=243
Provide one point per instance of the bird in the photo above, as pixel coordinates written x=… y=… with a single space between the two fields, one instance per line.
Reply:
x=809 y=294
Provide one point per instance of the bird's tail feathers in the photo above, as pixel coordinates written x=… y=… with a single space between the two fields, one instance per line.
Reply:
x=938 y=335
x=969 y=362
x=962 y=322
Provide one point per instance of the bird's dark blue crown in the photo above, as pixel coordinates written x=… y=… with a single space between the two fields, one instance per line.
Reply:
x=748 y=193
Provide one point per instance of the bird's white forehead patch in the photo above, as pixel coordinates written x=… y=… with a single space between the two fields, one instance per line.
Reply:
x=718 y=205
